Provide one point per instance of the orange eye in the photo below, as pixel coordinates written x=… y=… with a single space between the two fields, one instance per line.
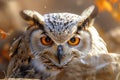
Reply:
x=74 y=41
x=46 y=40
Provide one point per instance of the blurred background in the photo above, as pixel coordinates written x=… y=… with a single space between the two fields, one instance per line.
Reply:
x=12 y=26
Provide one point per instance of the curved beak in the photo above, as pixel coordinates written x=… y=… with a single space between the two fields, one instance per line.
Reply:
x=60 y=53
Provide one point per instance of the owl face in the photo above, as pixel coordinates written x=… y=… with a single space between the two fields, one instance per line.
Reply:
x=58 y=38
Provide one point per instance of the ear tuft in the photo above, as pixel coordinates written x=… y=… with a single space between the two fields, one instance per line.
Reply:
x=90 y=12
x=32 y=17
x=94 y=12
x=87 y=17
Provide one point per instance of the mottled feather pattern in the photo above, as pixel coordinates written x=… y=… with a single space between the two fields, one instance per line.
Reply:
x=61 y=24
x=61 y=46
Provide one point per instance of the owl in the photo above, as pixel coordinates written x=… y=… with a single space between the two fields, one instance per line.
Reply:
x=60 y=46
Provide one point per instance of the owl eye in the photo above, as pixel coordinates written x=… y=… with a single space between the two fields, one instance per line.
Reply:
x=74 y=41
x=45 y=40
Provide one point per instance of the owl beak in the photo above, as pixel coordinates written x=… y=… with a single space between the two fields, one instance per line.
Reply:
x=60 y=53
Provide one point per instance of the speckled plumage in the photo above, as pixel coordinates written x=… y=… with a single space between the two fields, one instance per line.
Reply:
x=62 y=25
x=60 y=60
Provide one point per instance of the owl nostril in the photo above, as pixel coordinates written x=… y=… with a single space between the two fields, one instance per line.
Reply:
x=60 y=53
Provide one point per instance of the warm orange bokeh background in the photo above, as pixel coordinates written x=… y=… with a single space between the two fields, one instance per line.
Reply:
x=11 y=25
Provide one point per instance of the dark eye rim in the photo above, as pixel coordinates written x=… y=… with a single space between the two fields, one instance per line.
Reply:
x=44 y=41
x=75 y=41
x=72 y=39
x=47 y=39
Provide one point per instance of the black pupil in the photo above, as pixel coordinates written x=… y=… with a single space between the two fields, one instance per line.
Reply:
x=72 y=40
x=47 y=39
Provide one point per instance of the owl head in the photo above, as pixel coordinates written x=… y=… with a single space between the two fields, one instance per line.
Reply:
x=55 y=39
